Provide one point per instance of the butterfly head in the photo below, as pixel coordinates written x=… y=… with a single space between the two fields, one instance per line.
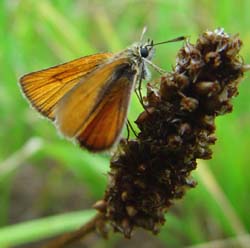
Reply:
x=147 y=50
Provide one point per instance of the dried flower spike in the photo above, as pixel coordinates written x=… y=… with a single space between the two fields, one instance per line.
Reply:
x=177 y=128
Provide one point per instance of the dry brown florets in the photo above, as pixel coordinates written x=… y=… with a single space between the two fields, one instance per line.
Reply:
x=176 y=128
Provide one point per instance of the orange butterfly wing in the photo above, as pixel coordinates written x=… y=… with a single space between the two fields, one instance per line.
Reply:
x=95 y=110
x=101 y=131
x=46 y=88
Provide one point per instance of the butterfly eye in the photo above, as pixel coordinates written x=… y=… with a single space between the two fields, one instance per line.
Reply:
x=144 y=52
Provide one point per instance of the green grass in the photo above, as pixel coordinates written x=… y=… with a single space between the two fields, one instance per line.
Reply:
x=39 y=34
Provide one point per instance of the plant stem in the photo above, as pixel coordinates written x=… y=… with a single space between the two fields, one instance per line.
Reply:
x=69 y=238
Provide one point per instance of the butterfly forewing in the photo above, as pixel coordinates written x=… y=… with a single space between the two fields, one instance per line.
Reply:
x=95 y=110
x=46 y=88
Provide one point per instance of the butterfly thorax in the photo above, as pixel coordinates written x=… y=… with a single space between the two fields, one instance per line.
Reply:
x=137 y=54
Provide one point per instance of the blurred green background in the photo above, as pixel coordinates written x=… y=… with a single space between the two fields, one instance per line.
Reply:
x=43 y=175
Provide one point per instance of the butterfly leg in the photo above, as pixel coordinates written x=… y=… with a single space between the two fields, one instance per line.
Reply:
x=139 y=94
x=157 y=68
x=130 y=127
x=128 y=130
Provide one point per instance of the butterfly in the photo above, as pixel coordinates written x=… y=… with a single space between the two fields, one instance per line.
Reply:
x=88 y=98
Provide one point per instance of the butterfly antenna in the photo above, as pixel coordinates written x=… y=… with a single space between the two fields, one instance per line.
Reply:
x=144 y=30
x=172 y=40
